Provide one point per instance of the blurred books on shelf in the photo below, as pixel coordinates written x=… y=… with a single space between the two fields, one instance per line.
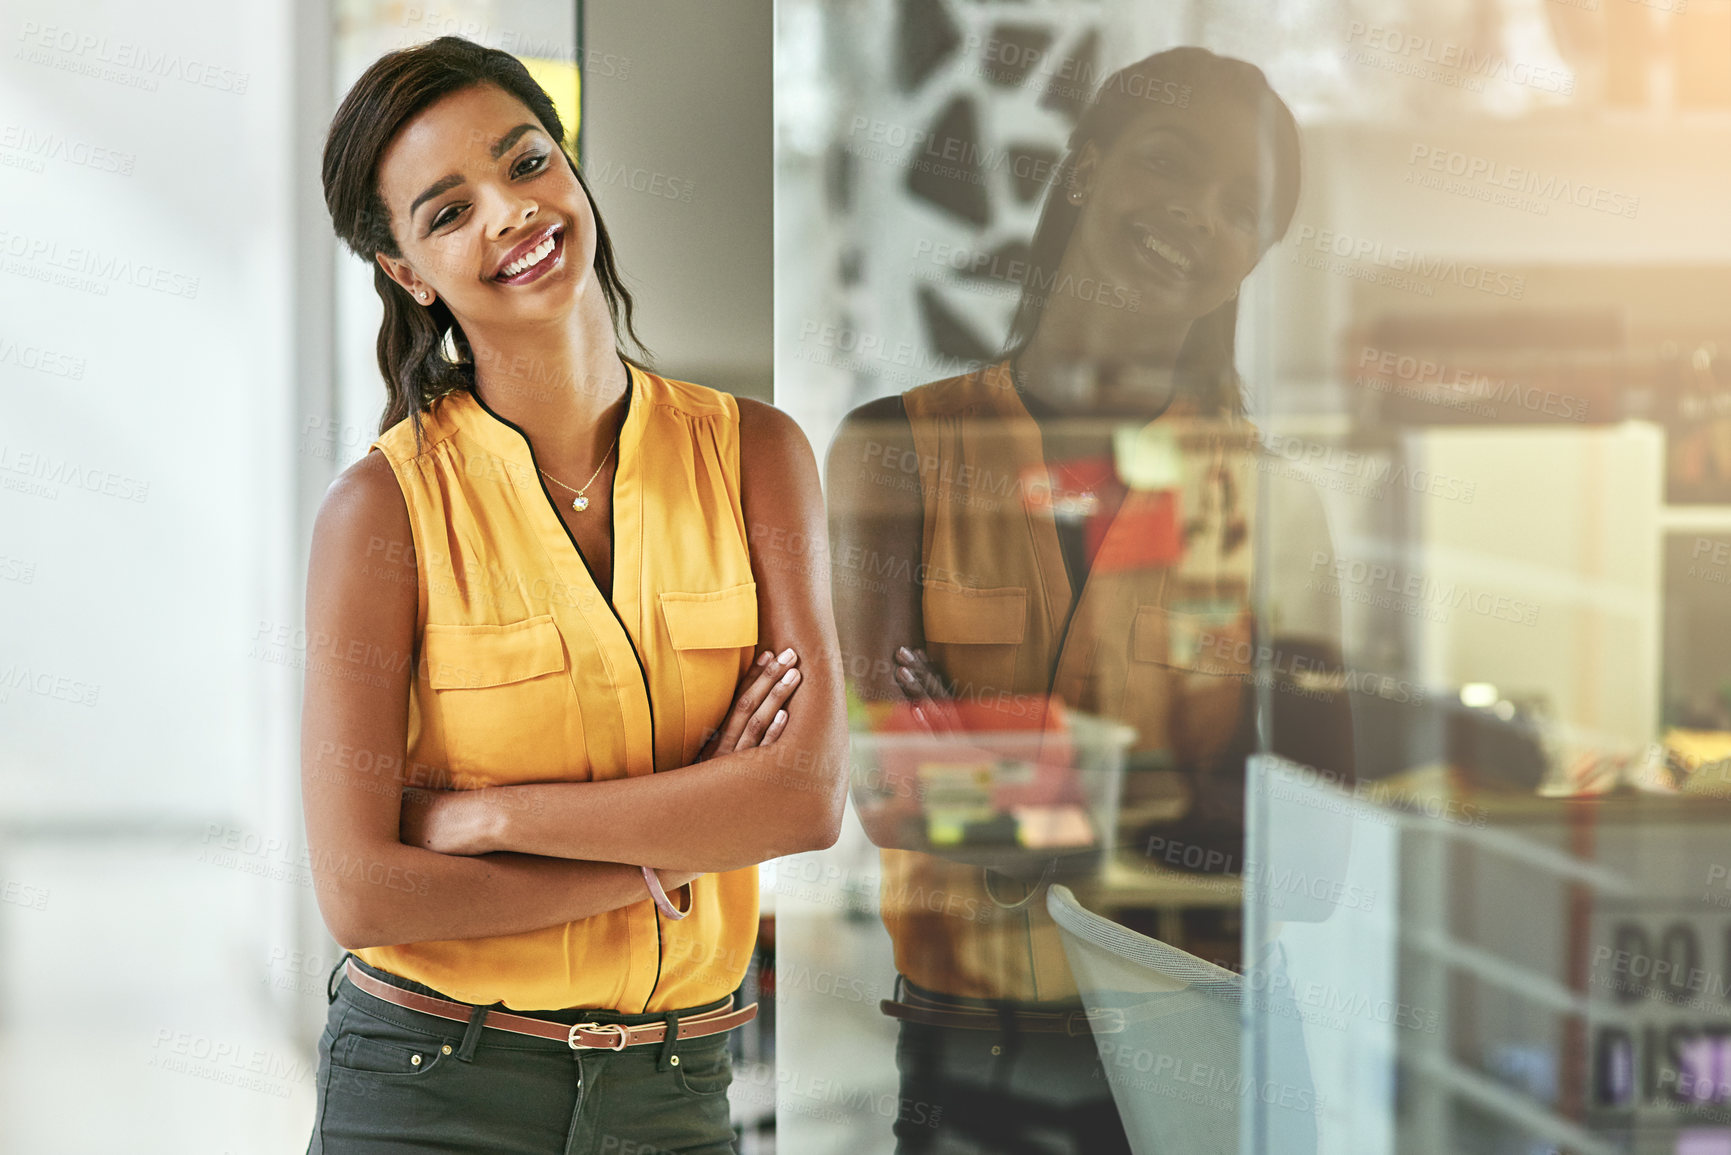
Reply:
x=1508 y=367
x=1549 y=366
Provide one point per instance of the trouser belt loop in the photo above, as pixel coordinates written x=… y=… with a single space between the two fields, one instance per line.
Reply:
x=333 y=981
x=669 y=1057
x=472 y=1032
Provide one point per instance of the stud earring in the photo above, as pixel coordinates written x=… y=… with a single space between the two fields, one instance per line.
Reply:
x=422 y=294
x=1075 y=196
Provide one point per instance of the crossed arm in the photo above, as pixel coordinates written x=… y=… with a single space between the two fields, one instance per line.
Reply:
x=541 y=854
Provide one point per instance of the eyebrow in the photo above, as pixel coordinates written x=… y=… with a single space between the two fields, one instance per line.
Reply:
x=452 y=180
x=1194 y=142
x=1184 y=134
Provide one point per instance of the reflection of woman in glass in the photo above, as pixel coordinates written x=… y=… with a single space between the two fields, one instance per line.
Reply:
x=1082 y=529
x=540 y=596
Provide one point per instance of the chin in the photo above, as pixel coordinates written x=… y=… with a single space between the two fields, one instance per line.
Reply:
x=1163 y=301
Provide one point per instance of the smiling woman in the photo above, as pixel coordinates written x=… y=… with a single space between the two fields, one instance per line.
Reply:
x=576 y=727
x=1081 y=527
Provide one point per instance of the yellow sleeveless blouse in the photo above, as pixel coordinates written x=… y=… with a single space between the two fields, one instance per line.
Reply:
x=526 y=673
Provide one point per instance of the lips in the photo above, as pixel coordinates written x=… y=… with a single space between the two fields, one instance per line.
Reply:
x=1166 y=252
x=523 y=250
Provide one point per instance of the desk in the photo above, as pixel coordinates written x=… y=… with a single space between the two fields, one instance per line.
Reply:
x=1130 y=881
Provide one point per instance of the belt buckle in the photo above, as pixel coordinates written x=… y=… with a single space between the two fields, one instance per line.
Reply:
x=1111 y=1015
x=571 y=1037
x=1081 y=1023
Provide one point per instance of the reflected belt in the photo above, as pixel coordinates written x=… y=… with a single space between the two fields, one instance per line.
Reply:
x=932 y=1012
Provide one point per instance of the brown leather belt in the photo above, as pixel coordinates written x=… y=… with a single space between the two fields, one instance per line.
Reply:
x=581 y=1036
x=943 y=1014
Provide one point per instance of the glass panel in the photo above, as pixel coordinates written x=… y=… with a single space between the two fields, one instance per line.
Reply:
x=1278 y=529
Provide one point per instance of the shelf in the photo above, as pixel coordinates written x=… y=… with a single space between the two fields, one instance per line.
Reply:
x=1546 y=122
x=1511 y=1105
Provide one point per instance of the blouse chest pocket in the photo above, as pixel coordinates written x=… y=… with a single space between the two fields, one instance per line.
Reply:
x=1199 y=709
x=1213 y=642
x=500 y=695
x=975 y=635
x=714 y=634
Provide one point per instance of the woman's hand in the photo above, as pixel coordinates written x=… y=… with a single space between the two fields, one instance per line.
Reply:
x=922 y=686
x=463 y=822
x=757 y=717
x=446 y=821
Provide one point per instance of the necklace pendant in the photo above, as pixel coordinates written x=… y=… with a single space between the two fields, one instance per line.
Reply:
x=579 y=503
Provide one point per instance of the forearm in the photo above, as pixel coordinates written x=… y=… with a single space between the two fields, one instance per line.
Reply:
x=739 y=808
x=406 y=894
x=731 y=811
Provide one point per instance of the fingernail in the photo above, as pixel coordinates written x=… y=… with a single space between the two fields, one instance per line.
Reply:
x=785 y=656
x=903 y=652
x=787 y=679
x=763 y=657
x=780 y=717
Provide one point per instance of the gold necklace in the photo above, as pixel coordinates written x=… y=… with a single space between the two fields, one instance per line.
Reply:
x=581 y=503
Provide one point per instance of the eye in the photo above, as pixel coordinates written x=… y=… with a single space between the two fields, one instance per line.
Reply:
x=522 y=168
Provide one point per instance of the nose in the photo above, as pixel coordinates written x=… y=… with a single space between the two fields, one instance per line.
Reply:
x=1193 y=212
x=514 y=213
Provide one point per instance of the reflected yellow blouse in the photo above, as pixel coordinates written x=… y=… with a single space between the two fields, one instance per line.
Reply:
x=526 y=673
x=999 y=615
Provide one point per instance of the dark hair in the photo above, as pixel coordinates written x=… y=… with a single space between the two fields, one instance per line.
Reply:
x=393 y=90
x=1206 y=368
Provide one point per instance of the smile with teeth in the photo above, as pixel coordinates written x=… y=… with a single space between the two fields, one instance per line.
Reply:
x=1160 y=248
x=530 y=259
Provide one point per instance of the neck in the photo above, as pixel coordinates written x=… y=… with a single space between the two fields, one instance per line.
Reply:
x=562 y=383
x=1079 y=344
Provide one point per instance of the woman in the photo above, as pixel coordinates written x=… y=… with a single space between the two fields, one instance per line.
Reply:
x=544 y=589
x=1082 y=530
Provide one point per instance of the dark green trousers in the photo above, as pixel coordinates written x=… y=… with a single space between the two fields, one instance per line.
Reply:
x=1002 y=1092
x=481 y=1089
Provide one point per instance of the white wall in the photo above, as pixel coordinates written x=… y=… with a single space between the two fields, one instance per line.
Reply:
x=147 y=551
x=690 y=113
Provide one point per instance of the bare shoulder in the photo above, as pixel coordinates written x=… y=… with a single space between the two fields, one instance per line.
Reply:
x=871 y=454
x=884 y=417
x=363 y=548
x=766 y=430
x=372 y=474
x=364 y=499
x=882 y=409
x=870 y=429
